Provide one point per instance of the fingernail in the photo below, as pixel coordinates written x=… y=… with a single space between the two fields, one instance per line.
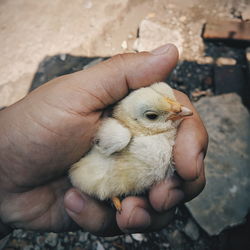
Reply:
x=175 y=197
x=74 y=202
x=163 y=49
x=199 y=163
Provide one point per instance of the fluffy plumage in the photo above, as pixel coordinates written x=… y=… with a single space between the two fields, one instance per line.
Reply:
x=132 y=149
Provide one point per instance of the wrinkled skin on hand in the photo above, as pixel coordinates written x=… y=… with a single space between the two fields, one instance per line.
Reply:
x=42 y=135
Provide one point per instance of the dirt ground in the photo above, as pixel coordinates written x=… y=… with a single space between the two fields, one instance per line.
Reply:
x=31 y=30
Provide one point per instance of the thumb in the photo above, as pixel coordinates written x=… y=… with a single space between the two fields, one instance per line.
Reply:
x=109 y=81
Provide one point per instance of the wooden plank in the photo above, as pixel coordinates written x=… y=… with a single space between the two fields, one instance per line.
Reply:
x=227 y=30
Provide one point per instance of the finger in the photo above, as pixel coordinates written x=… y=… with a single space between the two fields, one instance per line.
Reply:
x=138 y=216
x=109 y=81
x=91 y=215
x=193 y=188
x=166 y=194
x=191 y=143
x=173 y=191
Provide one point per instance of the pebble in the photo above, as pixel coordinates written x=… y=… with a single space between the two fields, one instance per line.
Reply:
x=99 y=246
x=138 y=237
x=128 y=239
x=176 y=239
x=191 y=230
x=51 y=239
x=83 y=236
x=62 y=57
x=222 y=61
x=124 y=45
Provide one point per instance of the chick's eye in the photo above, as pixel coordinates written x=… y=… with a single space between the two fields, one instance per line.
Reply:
x=151 y=116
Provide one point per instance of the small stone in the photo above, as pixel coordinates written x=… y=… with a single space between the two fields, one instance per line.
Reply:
x=83 y=237
x=40 y=240
x=138 y=237
x=17 y=233
x=191 y=230
x=128 y=239
x=130 y=36
x=62 y=57
x=51 y=239
x=99 y=246
x=124 y=45
x=205 y=60
x=221 y=61
x=111 y=238
x=183 y=19
x=176 y=239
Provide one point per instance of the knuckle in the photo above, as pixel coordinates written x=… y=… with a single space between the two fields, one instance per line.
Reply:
x=118 y=61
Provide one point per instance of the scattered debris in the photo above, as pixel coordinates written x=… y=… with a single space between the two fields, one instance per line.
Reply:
x=224 y=30
x=227 y=164
x=124 y=45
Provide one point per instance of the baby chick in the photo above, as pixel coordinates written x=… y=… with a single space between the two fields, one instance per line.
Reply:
x=133 y=149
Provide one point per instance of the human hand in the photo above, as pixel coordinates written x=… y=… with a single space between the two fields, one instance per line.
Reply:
x=50 y=129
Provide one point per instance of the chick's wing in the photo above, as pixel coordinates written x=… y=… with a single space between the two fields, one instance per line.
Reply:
x=112 y=137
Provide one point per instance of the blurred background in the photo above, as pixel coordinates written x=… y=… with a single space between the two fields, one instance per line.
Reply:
x=41 y=40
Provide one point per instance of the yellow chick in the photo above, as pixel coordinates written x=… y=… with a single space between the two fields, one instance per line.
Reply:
x=133 y=149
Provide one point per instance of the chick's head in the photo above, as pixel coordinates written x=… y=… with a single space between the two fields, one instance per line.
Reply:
x=150 y=110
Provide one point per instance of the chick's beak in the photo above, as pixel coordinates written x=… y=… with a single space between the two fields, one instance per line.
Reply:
x=184 y=111
x=179 y=111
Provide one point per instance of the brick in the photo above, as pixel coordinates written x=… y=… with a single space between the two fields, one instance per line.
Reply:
x=227 y=30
